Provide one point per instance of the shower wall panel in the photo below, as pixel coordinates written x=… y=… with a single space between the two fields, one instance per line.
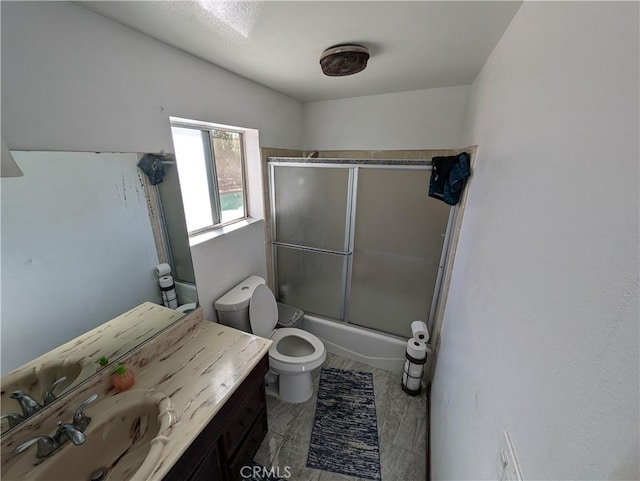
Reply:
x=399 y=235
x=311 y=203
x=311 y=281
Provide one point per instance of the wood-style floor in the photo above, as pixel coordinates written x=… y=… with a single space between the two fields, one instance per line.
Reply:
x=402 y=430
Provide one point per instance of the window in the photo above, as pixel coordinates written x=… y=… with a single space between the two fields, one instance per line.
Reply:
x=211 y=172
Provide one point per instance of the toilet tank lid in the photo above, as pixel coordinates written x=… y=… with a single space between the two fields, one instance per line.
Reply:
x=239 y=297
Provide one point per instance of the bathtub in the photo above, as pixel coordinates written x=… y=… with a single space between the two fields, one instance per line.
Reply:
x=185 y=292
x=359 y=344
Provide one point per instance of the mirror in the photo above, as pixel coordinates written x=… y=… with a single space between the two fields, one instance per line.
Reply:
x=82 y=234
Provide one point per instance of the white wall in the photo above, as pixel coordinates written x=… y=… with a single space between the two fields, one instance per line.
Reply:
x=73 y=80
x=419 y=119
x=224 y=271
x=541 y=328
x=77 y=249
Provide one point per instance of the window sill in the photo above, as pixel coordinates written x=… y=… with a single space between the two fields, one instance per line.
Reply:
x=220 y=231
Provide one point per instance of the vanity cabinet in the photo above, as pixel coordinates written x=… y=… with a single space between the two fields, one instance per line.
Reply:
x=232 y=438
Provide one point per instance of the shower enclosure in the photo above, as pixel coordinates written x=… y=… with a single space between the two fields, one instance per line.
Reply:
x=358 y=241
x=173 y=233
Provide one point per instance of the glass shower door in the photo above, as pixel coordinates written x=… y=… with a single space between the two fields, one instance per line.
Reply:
x=399 y=236
x=311 y=237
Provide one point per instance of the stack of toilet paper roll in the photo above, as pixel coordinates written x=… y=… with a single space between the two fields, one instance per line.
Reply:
x=417 y=352
x=167 y=286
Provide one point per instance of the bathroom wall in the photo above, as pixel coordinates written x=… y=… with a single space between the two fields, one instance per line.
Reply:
x=73 y=80
x=77 y=249
x=419 y=119
x=540 y=334
x=222 y=271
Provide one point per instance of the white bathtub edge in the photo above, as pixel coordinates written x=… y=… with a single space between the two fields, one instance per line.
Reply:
x=393 y=365
x=343 y=339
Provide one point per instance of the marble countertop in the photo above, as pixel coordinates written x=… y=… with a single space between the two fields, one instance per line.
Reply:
x=199 y=374
x=197 y=363
x=112 y=339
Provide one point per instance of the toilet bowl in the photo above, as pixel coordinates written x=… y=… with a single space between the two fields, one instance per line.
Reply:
x=294 y=354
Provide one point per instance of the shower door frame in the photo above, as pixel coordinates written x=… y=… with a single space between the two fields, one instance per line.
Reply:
x=354 y=167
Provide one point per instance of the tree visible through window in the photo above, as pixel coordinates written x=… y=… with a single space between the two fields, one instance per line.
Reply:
x=211 y=173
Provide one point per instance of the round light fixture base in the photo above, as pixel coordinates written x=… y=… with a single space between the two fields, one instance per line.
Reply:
x=345 y=59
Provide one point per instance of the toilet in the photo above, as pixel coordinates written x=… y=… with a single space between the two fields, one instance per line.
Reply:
x=294 y=354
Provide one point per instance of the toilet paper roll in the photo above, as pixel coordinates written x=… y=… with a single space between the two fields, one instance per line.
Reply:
x=411 y=383
x=416 y=349
x=420 y=331
x=169 y=299
x=168 y=290
x=163 y=269
x=413 y=370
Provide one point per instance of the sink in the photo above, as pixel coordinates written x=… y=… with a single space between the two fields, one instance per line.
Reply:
x=126 y=439
x=35 y=380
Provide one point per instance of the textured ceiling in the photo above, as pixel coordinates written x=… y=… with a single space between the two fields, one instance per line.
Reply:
x=414 y=45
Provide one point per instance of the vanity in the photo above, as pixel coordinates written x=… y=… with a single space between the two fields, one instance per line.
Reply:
x=232 y=438
x=197 y=412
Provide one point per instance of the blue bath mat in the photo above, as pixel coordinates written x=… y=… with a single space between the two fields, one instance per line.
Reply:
x=345 y=431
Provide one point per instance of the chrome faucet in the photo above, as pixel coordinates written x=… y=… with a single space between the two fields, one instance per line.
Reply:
x=73 y=432
x=29 y=405
x=49 y=397
x=12 y=418
x=47 y=445
x=68 y=432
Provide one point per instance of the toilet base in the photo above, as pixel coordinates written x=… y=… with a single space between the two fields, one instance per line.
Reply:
x=294 y=388
x=271 y=382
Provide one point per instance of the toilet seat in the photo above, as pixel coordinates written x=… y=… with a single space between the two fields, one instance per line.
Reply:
x=291 y=332
x=263 y=311
x=263 y=317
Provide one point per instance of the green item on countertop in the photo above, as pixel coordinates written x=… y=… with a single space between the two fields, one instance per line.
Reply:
x=103 y=361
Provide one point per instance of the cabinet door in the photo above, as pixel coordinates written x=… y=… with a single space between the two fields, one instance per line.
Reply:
x=248 y=448
x=209 y=469
x=199 y=463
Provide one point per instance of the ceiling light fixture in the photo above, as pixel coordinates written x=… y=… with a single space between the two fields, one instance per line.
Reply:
x=344 y=59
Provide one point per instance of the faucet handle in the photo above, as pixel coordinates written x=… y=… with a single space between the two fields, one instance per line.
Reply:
x=12 y=418
x=80 y=419
x=49 y=397
x=29 y=405
x=46 y=445
x=66 y=432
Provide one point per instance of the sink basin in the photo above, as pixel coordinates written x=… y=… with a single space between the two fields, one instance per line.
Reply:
x=35 y=380
x=126 y=439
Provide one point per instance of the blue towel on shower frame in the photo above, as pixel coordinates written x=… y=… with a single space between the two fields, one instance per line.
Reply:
x=448 y=177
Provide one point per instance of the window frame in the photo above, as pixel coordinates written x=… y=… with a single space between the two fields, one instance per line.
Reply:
x=212 y=174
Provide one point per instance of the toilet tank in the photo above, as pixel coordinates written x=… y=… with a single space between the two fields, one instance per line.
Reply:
x=233 y=307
